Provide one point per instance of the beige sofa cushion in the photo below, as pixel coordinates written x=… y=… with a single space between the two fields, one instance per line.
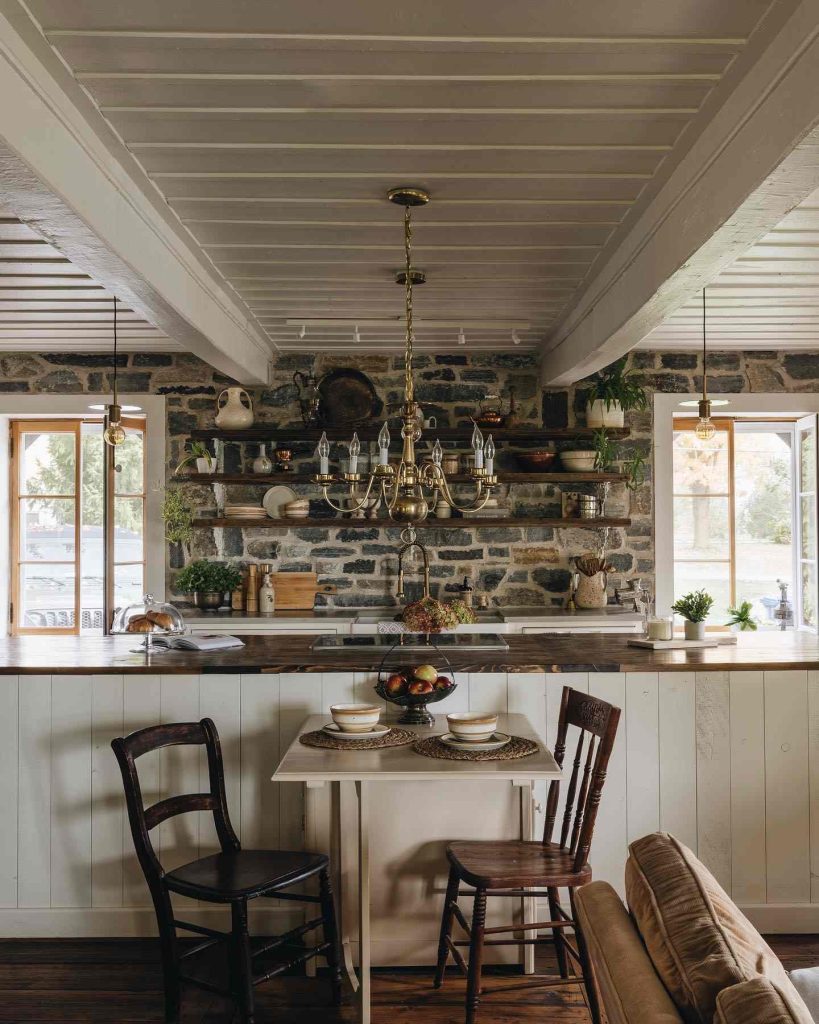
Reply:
x=629 y=988
x=697 y=938
x=757 y=1002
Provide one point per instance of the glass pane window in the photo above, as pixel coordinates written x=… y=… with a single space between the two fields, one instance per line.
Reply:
x=47 y=462
x=46 y=529
x=47 y=596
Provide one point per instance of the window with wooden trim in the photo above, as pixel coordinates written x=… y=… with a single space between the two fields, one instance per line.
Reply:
x=734 y=514
x=77 y=525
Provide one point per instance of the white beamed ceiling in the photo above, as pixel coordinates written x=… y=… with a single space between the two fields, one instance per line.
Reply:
x=768 y=299
x=274 y=130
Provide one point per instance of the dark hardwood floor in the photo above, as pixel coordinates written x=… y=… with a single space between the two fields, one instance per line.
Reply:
x=118 y=981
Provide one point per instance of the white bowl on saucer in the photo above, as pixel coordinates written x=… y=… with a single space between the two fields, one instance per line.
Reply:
x=472 y=726
x=355 y=718
x=371 y=734
x=495 y=742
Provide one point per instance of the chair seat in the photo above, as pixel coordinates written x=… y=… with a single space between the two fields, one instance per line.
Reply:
x=509 y=864
x=223 y=877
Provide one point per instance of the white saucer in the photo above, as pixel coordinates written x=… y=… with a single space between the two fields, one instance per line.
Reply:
x=373 y=734
x=276 y=498
x=496 y=741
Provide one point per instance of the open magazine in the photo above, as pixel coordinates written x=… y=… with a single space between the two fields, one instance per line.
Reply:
x=201 y=642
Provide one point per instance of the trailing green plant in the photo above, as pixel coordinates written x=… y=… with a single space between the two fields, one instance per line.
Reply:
x=206 y=577
x=177 y=515
x=635 y=470
x=196 y=450
x=741 y=616
x=604 y=450
x=616 y=384
x=694 y=606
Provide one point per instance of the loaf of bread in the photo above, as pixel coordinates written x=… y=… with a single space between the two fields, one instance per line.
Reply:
x=140 y=624
x=160 y=619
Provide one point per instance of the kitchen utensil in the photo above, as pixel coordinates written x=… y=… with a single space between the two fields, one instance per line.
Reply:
x=490 y=414
x=536 y=462
x=348 y=398
x=472 y=726
x=495 y=742
x=309 y=398
x=590 y=505
x=578 y=461
x=355 y=718
x=276 y=498
x=233 y=414
x=296 y=591
x=373 y=734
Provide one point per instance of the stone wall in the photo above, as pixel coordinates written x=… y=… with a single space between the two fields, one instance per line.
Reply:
x=528 y=565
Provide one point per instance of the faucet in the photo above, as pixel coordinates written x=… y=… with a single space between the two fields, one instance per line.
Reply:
x=401 y=552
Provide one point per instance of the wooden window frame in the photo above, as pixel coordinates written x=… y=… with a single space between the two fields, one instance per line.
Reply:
x=111 y=494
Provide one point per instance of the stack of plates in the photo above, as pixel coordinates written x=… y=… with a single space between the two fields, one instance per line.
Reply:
x=243 y=511
x=298 y=509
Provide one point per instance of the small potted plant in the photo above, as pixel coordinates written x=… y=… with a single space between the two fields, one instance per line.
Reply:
x=694 y=608
x=614 y=391
x=208 y=582
x=198 y=453
x=741 y=619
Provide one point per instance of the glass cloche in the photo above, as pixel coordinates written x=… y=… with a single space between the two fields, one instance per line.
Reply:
x=149 y=617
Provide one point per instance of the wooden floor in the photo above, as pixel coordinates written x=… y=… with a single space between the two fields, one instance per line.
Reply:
x=119 y=981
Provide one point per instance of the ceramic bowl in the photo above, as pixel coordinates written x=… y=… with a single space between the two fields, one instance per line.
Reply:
x=578 y=461
x=472 y=726
x=355 y=717
x=535 y=462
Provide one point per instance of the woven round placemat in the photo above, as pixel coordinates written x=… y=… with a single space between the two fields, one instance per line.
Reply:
x=320 y=738
x=515 y=748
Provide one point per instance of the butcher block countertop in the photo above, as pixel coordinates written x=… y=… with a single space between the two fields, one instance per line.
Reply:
x=290 y=653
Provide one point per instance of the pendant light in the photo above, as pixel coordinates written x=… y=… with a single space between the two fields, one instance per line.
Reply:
x=114 y=433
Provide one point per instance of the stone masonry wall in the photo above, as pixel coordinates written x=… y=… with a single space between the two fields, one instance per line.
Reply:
x=528 y=565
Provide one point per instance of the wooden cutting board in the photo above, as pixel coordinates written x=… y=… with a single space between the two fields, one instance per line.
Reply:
x=296 y=591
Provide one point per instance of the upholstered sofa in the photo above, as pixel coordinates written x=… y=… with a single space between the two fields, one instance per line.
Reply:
x=684 y=954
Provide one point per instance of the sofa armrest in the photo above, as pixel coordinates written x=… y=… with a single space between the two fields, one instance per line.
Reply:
x=806 y=983
x=758 y=1001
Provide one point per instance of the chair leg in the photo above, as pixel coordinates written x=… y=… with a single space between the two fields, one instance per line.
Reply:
x=446 y=924
x=560 y=949
x=169 y=953
x=473 y=983
x=589 y=981
x=330 y=931
x=242 y=973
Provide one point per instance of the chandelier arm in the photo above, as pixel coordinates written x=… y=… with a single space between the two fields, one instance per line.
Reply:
x=442 y=484
x=356 y=508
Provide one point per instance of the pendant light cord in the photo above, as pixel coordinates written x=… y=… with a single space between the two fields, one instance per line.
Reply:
x=704 y=365
x=116 y=360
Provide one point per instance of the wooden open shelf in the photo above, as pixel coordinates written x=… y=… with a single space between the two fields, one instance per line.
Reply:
x=369 y=432
x=307 y=478
x=465 y=523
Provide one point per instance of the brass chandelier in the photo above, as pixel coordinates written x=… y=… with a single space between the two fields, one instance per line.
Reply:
x=408 y=491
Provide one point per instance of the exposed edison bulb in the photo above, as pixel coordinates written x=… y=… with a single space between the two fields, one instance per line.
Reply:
x=114 y=434
x=705 y=429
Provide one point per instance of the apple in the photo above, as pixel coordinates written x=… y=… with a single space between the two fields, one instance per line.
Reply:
x=395 y=685
x=420 y=686
x=443 y=683
x=426 y=672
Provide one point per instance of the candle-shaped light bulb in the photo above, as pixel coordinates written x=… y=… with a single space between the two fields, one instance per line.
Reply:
x=437 y=452
x=355 y=448
x=324 y=454
x=384 y=445
x=489 y=452
x=477 y=447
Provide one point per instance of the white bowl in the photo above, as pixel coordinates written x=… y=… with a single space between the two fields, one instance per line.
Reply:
x=578 y=461
x=472 y=726
x=355 y=717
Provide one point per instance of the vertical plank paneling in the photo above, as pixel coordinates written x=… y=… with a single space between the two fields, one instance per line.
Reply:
x=610 y=845
x=714 y=775
x=141 y=709
x=677 y=751
x=813 y=753
x=300 y=696
x=527 y=696
x=260 y=755
x=786 y=787
x=9 y=753
x=365 y=694
x=748 y=881
x=642 y=737
x=219 y=699
x=107 y=804
x=34 y=814
x=488 y=692
x=338 y=688
x=71 y=791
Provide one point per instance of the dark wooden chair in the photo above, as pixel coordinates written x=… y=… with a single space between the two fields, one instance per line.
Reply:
x=523 y=869
x=232 y=877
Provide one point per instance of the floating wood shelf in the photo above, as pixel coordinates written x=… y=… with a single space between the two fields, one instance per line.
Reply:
x=307 y=478
x=465 y=523
x=369 y=432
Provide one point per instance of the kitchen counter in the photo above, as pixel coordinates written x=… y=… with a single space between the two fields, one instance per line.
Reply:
x=292 y=653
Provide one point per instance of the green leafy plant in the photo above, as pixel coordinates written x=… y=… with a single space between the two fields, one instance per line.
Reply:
x=604 y=451
x=694 y=606
x=178 y=517
x=206 y=577
x=741 y=616
x=615 y=384
x=196 y=450
x=635 y=470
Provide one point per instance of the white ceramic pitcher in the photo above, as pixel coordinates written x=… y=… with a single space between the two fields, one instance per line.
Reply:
x=591 y=591
x=233 y=414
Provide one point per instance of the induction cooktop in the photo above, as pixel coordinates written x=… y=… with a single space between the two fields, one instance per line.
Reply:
x=412 y=642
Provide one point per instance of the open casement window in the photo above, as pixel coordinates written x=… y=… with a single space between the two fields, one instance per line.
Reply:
x=77 y=525
x=807 y=590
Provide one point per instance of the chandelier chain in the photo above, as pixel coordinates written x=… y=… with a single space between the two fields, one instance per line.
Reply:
x=409 y=386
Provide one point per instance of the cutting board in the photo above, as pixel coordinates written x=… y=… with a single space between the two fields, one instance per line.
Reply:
x=296 y=591
x=680 y=644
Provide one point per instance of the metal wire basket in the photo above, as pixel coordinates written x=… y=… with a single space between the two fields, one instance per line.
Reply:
x=398 y=661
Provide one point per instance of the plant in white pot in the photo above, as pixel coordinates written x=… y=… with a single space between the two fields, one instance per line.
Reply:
x=199 y=454
x=614 y=391
x=694 y=608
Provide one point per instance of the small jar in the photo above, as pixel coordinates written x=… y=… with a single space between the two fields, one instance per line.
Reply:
x=267 y=596
x=660 y=627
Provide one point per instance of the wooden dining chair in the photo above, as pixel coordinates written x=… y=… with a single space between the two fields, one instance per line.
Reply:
x=521 y=869
x=234 y=877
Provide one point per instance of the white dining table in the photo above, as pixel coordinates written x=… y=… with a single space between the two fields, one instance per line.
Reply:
x=317 y=767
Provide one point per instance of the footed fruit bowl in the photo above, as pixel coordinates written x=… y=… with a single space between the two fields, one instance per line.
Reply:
x=413 y=688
